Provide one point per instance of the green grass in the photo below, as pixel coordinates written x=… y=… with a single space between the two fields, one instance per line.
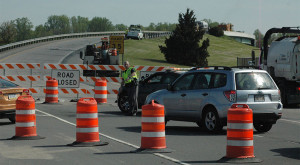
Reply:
x=223 y=52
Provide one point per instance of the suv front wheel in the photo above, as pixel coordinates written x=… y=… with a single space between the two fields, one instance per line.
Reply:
x=211 y=121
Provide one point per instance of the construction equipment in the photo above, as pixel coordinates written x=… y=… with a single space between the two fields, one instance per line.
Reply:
x=282 y=60
x=100 y=55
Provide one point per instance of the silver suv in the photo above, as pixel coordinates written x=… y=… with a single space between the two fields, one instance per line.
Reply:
x=203 y=95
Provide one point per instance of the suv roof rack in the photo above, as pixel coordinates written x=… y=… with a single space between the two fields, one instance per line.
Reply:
x=212 y=67
x=246 y=67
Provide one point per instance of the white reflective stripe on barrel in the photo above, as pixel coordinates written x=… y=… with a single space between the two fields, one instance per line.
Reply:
x=28 y=124
x=101 y=88
x=87 y=130
x=153 y=134
x=101 y=96
x=87 y=115
x=240 y=125
x=240 y=143
x=153 y=119
x=25 y=112
x=48 y=95
x=52 y=88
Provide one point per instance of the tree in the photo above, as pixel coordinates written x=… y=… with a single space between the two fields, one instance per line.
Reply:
x=8 y=31
x=216 y=31
x=24 y=29
x=98 y=24
x=58 y=24
x=182 y=47
x=259 y=37
x=79 y=24
x=120 y=27
x=41 y=31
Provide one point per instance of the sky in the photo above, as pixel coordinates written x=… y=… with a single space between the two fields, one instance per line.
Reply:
x=245 y=15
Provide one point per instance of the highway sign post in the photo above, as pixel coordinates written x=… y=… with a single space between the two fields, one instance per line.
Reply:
x=118 y=43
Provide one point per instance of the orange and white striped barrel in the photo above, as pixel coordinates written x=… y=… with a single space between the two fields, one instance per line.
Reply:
x=240 y=132
x=51 y=91
x=87 y=130
x=101 y=91
x=153 y=127
x=25 y=118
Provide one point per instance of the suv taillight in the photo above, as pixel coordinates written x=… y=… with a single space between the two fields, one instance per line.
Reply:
x=230 y=95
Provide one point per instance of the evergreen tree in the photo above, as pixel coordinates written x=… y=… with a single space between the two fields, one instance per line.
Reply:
x=182 y=47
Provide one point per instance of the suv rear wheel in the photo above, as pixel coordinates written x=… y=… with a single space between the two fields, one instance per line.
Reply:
x=211 y=121
x=262 y=127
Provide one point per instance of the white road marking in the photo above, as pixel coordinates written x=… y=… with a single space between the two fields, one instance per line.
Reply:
x=118 y=140
x=292 y=121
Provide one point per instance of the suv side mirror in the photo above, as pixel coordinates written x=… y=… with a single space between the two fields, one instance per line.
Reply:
x=81 y=55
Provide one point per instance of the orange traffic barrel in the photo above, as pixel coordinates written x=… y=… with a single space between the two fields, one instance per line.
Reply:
x=51 y=91
x=114 y=52
x=25 y=119
x=87 y=130
x=240 y=134
x=153 y=129
x=101 y=91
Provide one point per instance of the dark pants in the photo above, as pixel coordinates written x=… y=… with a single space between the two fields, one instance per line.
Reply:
x=132 y=97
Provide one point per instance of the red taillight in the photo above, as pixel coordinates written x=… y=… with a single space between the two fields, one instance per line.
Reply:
x=230 y=95
x=298 y=88
x=1 y=93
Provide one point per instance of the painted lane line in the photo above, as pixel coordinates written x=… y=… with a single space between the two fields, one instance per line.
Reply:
x=292 y=121
x=118 y=140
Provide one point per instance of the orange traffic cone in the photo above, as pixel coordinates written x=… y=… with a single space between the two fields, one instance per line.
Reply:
x=240 y=135
x=87 y=130
x=25 y=119
x=153 y=129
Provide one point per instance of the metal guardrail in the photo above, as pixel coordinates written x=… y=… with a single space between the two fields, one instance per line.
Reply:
x=147 y=34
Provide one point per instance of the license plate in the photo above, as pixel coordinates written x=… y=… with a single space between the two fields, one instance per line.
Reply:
x=12 y=96
x=259 y=98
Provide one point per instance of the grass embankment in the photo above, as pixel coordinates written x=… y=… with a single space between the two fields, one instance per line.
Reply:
x=223 y=52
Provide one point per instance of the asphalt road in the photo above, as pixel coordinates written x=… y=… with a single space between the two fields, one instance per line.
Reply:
x=189 y=143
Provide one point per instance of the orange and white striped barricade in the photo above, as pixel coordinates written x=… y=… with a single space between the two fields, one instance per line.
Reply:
x=153 y=129
x=87 y=130
x=51 y=91
x=240 y=135
x=25 y=119
x=101 y=91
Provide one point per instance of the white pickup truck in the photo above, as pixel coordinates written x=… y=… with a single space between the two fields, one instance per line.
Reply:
x=135 y=34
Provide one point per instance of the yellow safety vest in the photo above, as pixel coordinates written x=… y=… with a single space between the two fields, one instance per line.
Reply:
x=127 y=73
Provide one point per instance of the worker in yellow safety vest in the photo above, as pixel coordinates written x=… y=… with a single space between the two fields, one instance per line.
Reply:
x=129 y=80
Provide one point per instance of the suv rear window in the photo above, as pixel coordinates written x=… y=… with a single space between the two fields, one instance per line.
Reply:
x=6 y=84
x=253 y=81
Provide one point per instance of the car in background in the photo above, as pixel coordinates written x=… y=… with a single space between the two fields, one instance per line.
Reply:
x=204 y=95
x=9 y=93
x=156 y=81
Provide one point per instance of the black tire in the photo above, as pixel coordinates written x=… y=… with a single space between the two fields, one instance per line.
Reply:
x=211 y=121
x=123 y=103
x=282 y=86
x=12 y=119
x=262 y=127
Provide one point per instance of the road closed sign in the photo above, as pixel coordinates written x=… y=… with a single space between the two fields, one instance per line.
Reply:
x=66 y=78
